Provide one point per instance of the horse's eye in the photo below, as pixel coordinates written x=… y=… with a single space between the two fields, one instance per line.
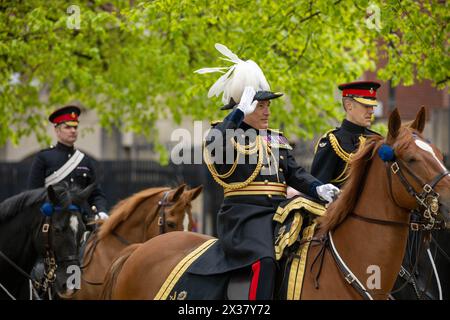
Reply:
x=171 y=224
x=411 y=160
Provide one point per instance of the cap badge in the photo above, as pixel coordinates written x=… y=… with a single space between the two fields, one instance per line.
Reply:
x=371 y=90
x=73 y=115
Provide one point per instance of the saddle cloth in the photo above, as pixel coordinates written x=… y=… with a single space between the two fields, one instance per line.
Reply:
x=293 y=218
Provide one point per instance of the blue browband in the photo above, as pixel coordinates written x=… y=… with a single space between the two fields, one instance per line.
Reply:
x=48 y=209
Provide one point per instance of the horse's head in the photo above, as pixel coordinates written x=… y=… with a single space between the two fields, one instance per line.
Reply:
x=418 y=178
x=59 y=236
x=173 y=206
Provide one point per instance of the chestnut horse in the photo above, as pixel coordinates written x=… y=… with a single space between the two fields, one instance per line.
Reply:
x=142 y=216
x=362 y=237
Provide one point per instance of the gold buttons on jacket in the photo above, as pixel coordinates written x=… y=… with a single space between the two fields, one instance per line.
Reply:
x=266 y=181
x=281 y=157
x=281 y=169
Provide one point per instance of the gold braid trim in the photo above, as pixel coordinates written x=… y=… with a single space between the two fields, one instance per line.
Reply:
x=213 y=170
x=338 y=149
x=233 y=186
x=247 y=150
x=344 y=174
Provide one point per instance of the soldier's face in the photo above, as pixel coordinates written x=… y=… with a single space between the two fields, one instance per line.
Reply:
x=259 y=119
x=66 y=134
x=359 y=114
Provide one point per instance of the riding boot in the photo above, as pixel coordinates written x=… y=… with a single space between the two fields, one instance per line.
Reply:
x=263 y=280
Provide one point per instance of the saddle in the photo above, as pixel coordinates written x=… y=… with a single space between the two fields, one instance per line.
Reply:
x=294 y=220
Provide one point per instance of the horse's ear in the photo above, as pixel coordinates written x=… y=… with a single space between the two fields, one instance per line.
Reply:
x=178 y=192
x=196 y=192
x=394 y=125
x=52 y=195
x=87 y=191
x=419 y=123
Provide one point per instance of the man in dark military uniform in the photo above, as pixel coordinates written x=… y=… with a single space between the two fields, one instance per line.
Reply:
x=336 y=147
x=65 y=163
x=254 y=165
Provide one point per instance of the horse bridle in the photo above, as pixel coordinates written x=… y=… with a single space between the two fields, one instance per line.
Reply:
x=162 y=204
x=427 y=199
x=161 y=213
x=50 y=264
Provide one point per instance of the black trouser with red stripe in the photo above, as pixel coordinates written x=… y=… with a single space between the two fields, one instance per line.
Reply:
x=263 y=280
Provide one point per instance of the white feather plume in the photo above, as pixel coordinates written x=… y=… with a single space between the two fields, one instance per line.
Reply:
x=238 y=76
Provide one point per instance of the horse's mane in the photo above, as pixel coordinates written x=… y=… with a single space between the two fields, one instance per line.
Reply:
x=346 y=202
x=12 y=206
x=121 y=211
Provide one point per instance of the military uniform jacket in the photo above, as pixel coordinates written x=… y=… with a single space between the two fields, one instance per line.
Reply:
x=333 y=152
x=245 y=225
x=50 y=160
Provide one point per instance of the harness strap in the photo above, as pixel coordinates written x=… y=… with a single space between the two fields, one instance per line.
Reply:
x=162 y=213
x=120 y=238
x=15 y=266
x=347 y=273
x=378 y=221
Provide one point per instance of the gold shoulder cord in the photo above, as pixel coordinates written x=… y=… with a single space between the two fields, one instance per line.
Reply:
x=344 y=174
x=259 y=146
x=338 y=149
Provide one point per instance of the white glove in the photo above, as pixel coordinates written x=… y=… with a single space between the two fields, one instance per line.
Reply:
x=247 y=105
x=101 y=215
x=327 y=192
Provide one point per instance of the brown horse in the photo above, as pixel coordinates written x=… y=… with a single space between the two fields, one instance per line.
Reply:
x=363 y=234
x=140 y=217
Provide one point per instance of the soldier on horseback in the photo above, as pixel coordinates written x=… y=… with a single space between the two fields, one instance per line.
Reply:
x=256 y=178
x=66 y=163
x=335 y=148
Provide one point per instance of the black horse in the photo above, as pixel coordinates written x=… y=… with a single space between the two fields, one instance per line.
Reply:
x=40 y=224
x=425 y=273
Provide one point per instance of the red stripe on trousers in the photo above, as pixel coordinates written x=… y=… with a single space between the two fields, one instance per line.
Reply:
x=256 y=267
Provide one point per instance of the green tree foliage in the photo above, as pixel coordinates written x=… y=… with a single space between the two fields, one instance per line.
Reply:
x=133 y=61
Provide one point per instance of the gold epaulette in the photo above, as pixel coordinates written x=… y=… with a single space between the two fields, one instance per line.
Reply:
x=318 y=141
x=215 y=122
x=275 y=130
